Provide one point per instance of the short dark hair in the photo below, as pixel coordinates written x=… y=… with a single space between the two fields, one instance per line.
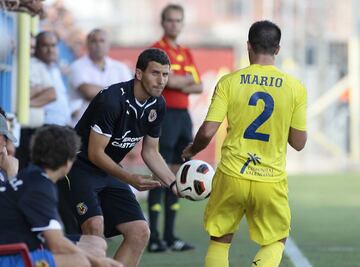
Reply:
x=264 y=37
x=93 y=32
x=52 y=146
x=40 y=36
x=152 y=54
x=169 y=7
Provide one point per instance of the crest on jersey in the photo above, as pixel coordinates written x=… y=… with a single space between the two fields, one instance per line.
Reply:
x=152 y=115
x=81 y=208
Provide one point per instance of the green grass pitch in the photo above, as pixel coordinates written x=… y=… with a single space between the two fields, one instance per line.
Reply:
x=325 y=226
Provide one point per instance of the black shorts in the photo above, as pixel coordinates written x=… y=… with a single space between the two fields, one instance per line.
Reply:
x=176 y=134
x=91 y=192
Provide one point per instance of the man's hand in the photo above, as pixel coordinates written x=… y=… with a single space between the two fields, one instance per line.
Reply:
x=8 y=163
x=174 y=189
x=143 y=182
x=107 y=262
x=103 y=262
x=187 y=153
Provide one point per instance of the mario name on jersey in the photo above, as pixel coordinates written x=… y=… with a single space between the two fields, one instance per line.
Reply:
x=261 y=80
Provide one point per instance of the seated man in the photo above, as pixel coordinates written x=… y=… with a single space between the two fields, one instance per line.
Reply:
x=29 y=205
x=8 y=164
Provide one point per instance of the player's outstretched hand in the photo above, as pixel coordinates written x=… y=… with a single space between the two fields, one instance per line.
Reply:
x=187 y=153
x=175 y=190
x=144 y=182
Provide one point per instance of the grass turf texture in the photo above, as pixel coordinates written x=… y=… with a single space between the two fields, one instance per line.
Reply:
x=325 y=226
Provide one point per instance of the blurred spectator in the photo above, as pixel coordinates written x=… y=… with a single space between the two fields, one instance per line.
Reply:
x=46 y=52
x=48 y=95
x=8 y=164
x=32 y=7
x=94 y=71
x=61 y=21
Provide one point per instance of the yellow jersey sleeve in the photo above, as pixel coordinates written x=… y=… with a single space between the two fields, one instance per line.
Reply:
x=298 y=120
x=219 y=103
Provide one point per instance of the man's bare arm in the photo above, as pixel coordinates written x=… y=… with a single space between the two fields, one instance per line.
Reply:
x=97 y=155
x=203 y=137
x=40 y=96
x=180 y=81
x=89 y=91
x=297 y=139
x=193 y=89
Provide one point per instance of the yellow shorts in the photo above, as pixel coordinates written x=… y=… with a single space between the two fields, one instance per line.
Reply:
x=265 y=206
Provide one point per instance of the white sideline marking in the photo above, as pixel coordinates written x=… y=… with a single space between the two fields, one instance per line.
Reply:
x=295 y=255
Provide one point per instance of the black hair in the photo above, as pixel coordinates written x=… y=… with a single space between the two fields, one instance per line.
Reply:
x=40 y=36
x=152 y=54
x=171 y=7
x=264 y=37
x=52 y=146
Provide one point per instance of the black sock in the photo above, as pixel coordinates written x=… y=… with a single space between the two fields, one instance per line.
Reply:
x=154 y=208
x=171 y=207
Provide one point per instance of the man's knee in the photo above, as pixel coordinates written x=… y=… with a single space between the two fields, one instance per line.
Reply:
x=93 y=226
x=136 y=232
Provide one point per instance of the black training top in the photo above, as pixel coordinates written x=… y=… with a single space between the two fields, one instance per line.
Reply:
x=117 y=114
x=28 y=205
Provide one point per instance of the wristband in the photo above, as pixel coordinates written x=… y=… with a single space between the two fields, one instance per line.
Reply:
x=172 y=184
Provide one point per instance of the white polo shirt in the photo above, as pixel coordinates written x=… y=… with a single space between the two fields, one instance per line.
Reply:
x=84 y=70
x=58 y=111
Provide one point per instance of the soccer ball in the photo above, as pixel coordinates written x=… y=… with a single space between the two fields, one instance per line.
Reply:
x=193 y=180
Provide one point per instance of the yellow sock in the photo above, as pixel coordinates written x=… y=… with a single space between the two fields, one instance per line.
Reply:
x=269 y=256
x=217 y=254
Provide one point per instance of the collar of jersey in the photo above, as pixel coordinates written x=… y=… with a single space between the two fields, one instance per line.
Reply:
x=34 y=167
x=263 y=66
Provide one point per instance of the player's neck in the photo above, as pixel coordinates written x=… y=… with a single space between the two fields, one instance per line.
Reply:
x=139 y=92
x=262 y=59
x=171 y=41
x=54 y=176
x=100 y=62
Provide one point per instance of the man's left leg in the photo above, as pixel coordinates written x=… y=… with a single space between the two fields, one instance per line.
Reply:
x=123 y=215
x=218 y=251
x=270 y=255
x=136 y=236
x=271 y=226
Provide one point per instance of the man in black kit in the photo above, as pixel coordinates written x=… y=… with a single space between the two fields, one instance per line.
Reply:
x=117 y=119
x=28 y=203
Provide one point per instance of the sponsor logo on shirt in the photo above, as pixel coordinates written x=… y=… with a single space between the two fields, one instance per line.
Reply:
x=126 y=141
x=251 y=159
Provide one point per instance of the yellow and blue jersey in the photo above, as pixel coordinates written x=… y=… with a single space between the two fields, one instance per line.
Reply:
x=261 y=103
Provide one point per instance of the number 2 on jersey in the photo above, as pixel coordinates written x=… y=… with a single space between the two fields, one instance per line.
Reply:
x=250 y=132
